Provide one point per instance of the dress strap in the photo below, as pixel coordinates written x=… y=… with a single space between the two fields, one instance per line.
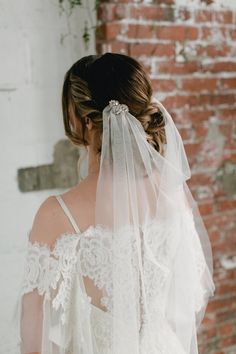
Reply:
x=68 y=213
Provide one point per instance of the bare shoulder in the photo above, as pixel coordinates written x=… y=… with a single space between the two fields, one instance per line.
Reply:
x=47 y=222
x=50 y=221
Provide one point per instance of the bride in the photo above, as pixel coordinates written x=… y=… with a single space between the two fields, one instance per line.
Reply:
x=121 y=263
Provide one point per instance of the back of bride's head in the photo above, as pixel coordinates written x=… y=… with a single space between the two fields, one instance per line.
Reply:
x=93 y=81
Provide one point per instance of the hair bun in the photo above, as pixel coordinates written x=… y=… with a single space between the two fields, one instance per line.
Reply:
x=155 y=127
x=156 y=119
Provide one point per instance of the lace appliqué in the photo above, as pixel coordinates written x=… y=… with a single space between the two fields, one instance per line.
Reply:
x=91 y=253
x=95 y=257
x=102 y=325
x=46 y=270
x=158 y=253
x=201 y=267
x=40 y=269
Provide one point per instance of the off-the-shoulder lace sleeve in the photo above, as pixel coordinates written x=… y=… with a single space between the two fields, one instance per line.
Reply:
x=33 y=289
x=47 y=275
x=39 y=271
x=36 y=270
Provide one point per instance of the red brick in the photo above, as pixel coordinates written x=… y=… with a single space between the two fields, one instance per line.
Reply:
x=209 y=320
x=222 y=51
x=195 y=84
x=192 y=149
x=218 y=16
x=223 y=16
x=207 y=33
x=223 y=289
x=186 y=133
x=228 y=83
x=119 y=47
x=191 y=33
x=205 y=208
x=212 y=51
x=230 y=143
x=178 y=33
x=203 y=16
x=109 y=31
x=220 y=220
x=216 y=305
x=200 y=131
x=225 y=66
x=187 y=101
x=226 y=329
x=193 y=116
x=226 y=129
x=150 y=49
x=233 y=33
x=223 y=275
x=228 y=113
x=219 y=248
x=174 y=33
x=112 y=12
x=227 y=342
x=210 y=333
x=175 y=101
x=214 y=236
x=200 y=49
x=184 y=14
x=226 y=205
x=163 y=85
x=229 y=155
x=171 y=67
x=218 y=99
x=152 y=13
x=141 y=31
x=225 y=315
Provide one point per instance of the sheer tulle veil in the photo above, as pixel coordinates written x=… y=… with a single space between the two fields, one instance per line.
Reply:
x=158 y=271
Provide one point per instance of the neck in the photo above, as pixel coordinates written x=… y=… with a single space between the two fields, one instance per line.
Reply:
x=93 y=162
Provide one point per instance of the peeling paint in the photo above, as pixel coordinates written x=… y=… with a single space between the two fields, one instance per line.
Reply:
x=204 y=192
x=228 y=262
x=226 y=177
x=214 y=144
x=184 y=52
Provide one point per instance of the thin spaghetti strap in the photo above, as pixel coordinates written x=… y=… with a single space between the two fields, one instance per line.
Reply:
x=68 y=213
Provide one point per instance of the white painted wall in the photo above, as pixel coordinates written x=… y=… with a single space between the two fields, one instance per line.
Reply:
x=33 y=60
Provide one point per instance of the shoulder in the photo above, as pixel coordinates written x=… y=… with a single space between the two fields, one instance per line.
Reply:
x=48 y=206
x=46 y=222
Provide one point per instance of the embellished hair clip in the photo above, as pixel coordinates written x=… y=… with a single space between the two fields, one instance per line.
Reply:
x=117 y=107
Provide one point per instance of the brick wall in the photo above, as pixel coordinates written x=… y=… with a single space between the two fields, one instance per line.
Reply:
x=190 y=53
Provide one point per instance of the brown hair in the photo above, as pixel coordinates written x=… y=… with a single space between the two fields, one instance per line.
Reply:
x=94 y=80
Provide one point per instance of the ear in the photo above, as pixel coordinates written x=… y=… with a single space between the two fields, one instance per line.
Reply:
x=89 y=123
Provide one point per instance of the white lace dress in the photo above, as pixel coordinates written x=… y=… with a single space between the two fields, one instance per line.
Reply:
x=53 y=283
